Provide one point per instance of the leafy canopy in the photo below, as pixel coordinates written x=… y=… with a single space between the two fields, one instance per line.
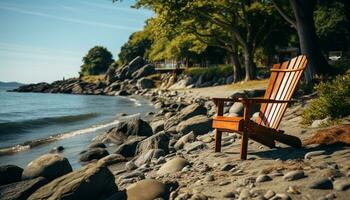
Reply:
x=96 y=61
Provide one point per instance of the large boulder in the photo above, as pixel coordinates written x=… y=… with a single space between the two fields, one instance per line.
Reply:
x=130 y=127
x=10 y=174
x=157 y=126
x=49 y=166
x=144 y=71
x=93 y=154
x=112 y=159
x=90 y=182
x=145 y=83
x=199 y=124
x=128 y=148
x=174 y=165
x=157 y=141
x=189 y=137
x=21 y=190
x=147 y=189
x=146 y=158
x=126 y=71
x=110 y=75
x=186 y=113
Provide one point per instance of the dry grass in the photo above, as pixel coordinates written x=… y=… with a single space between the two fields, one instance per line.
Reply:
x=244 y=85
x=334 y=135
x=286 y=165
x=93 y=78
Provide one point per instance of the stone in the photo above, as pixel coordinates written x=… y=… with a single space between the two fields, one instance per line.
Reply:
x=311 y=154
x=293 y=190
x=244 y=194
x=321 y=183
x=133 y=126
x=209 y=178
x=263 y=178
x=122 y=93
x=157 y=126
x=147 y=189
x=269 y=194
x=49 y=166
x=319 y=122
x=130 y=166
x=189 y=137
x=229 y=195
x=146 y=70
x=128 y=148
x=93 y=154
x=157 y=141
x=97 y=145
x=145 y=83
x=186 y=113
x=146 y=157
x=237 y=108
x=227 y=167
x=90 y=182
x=294 y=175
x=199 y=124
x=281 y=196
x=194 y=146
x=112 y=159
x=174 y=165
x=341 y=185
x=132 y=174
x=10 y=174
x=21 y=190
x=57 y=149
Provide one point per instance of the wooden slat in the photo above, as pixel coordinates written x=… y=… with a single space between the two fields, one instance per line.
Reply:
x=228 y=125
x=284 y=86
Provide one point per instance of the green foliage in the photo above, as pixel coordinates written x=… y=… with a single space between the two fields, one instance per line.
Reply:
x=333 y=100
x=96 y=61
x=210 y=72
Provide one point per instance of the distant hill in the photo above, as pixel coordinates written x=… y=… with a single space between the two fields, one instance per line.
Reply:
x=10 y=84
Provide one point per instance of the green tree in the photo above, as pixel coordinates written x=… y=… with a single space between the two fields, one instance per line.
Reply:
x=96 y=61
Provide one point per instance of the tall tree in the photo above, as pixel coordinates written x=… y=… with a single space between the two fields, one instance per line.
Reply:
x=96 y=61
x=303 y=22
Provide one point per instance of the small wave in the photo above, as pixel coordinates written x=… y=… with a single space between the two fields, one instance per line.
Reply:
x=136 y=102
x=30 y=144
x=22 y=126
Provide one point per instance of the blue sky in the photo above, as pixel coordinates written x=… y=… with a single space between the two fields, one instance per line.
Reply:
x=45 y=40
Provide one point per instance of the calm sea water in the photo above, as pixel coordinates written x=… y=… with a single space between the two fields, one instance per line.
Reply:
x=31 y=124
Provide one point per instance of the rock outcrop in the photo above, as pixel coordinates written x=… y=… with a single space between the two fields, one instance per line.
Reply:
x=10 y=174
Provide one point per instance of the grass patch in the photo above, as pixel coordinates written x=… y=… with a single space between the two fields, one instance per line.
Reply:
x=93 y=78
x=333 y=100
x=246 y=85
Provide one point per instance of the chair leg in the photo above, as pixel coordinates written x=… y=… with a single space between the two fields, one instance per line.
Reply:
x=244 y=144
x=218 y=135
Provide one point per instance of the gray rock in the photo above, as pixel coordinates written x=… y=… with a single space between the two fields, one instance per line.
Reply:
x=186 y=113
x=263 y=178
x=21 y=190
x=131 y=127
x=157 y=141
x=57 y=149
x=174 y=165
x=313 y=153
x=237 y=108
x=197 y=145
x=112 y=159
x=157 y=126
x=93 y=154
x=130 y=166
x=122 y=93
x=229 y=195
x=146 y=70
x=10 y=174
x=49 y=166
x=209 y=178
x=147 y=189
x=133 y=174
x=190 y=137
x=145 y=83
x=281 y=196
x=341 y=185
x=229 y=80
x=319 y=122
x=91 y=182
x=294 y=175
x=323 y=184
x=97 y=145
x=227 y=167
x=244 y=194
x=146 y=158
x=199 y=124
x=128 y=148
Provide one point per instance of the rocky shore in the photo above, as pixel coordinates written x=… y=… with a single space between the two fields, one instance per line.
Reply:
x=170 y=153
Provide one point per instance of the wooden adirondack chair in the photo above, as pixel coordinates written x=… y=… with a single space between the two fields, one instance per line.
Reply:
x=283 y=81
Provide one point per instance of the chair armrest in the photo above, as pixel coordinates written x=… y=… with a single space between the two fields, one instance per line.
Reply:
x=225 y=99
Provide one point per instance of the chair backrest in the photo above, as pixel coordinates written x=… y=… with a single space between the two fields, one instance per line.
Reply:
x=283 y=81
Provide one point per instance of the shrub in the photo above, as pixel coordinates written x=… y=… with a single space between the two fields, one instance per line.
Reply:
x=210 y=72
x=333 y=100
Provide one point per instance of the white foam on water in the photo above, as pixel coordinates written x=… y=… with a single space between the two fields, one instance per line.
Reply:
x=136 y=102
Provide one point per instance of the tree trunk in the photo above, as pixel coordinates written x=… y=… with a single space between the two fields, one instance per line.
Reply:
x=303 y=11
x=249 y=64
x=237 y=71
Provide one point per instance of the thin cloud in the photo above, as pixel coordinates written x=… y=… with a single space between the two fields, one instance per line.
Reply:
x=114 y=6
x=91 y=23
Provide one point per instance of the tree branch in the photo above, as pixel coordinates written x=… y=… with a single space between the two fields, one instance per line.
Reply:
x=284 y=15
